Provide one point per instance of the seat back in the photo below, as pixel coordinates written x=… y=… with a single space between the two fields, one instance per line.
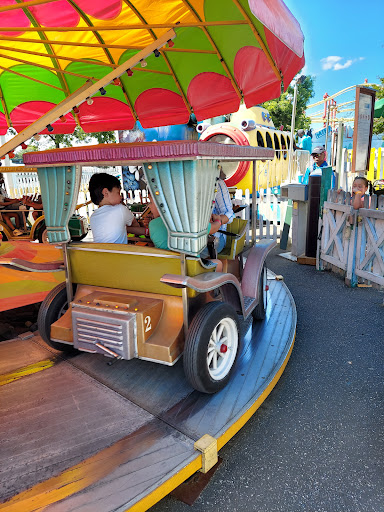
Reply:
x=128 y=267
x=234 y=244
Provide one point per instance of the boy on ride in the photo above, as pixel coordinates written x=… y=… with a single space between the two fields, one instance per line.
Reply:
x=112 y=220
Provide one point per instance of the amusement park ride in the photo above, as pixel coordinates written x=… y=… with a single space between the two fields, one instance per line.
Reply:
x=151 y=426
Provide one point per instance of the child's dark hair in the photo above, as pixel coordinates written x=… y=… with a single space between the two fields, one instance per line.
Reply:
x=368 y=183
x=100 y=181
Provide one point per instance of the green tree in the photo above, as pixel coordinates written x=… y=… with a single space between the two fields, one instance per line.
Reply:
x=280 y=109
x=378 y=123
x=67 y=140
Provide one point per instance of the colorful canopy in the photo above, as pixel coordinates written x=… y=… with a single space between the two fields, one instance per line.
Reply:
x=225 y=51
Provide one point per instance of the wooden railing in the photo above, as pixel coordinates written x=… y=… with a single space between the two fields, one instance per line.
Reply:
x=353 y=240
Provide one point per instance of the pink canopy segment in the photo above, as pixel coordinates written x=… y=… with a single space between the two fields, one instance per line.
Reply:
x=160 y=107
x=205 y=104
x=105 y=112
x=3 y=124
x=259 y=85
x=276 y=17
x=59 y=14
x=27 y=113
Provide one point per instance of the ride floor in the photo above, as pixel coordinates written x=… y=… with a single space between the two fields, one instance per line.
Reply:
x=79 y=433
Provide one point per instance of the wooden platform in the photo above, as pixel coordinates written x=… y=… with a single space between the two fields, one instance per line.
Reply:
x=81 y=434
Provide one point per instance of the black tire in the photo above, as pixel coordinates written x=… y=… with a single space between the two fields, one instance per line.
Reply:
x=52 y=308
x=259 y=312
x=41 y=233
x=199 y=347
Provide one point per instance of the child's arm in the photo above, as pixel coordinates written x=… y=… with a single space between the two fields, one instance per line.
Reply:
x=357 y=200
x=136 y=229
x=215 y=224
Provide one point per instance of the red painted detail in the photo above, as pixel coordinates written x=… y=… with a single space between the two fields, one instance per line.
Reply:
x=286 y=61
x=11 y=154
x=223 y=348
x=3 y=124
x=255 y=76
x=211 y=94
x=278 y=19
x=62 y=14
x=105 y=114
x=266 y=287
x=239 y=138
x=15 y=18
x=102 y=10
x=24 y=146
x=161 y=107
x=27 y=113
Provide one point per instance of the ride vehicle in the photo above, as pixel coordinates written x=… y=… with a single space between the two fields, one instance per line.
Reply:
x=127 y=301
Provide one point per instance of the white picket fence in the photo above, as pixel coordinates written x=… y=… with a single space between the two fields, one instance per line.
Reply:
x=353 y=241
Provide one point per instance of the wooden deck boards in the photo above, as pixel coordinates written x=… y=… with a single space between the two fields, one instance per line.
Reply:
x=88 y=436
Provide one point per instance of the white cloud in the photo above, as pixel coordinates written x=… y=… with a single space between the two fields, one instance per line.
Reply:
x=333 y=62
x=338 y=66
x=329 y=62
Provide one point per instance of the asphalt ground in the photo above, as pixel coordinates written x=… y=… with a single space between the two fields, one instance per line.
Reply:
x=316 y=444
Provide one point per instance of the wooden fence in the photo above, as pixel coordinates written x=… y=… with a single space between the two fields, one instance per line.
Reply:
x=353 y=240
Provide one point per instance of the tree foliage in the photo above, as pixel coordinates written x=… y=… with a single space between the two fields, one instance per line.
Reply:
x=67 y=140
x=378 y=123
x=280 y=109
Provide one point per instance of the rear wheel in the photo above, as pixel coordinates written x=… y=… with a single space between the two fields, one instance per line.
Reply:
x=41 y=233
x=52 y=308
x=211 y=347
x=259 y=312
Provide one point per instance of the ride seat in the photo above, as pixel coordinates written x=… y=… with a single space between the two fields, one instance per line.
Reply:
x=129 y=267
x=234 y=244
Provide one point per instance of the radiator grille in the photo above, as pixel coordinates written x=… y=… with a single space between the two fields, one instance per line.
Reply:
x=115 y=331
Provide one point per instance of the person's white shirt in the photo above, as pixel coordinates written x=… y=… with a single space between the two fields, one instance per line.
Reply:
x=109 y=224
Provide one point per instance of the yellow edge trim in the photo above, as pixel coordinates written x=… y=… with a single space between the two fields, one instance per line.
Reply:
x=186 y=472
x=26 y=370
x=168 y=486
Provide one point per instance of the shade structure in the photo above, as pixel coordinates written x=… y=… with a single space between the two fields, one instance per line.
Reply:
x=225 y=52
x=379 y=108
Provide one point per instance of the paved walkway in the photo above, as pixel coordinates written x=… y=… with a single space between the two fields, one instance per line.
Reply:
x=316 y=444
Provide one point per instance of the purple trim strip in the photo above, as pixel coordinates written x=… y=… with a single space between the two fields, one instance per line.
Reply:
x=146 y=152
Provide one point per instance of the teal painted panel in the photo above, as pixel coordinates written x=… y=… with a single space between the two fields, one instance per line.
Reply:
x=184 y=192
x=59 y=191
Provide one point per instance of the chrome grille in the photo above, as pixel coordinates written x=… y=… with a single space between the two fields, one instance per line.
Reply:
x=114 y=330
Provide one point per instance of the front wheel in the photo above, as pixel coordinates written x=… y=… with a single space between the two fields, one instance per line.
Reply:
x=211 y=347
x=52 y=308
x=259 y=312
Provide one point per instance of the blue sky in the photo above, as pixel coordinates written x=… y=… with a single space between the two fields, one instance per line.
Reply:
x=344 y=42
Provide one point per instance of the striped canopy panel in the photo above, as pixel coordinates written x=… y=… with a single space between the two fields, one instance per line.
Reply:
x=225 y=52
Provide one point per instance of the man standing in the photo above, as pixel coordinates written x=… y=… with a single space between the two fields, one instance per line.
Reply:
x=318 y=155
x=305 y=142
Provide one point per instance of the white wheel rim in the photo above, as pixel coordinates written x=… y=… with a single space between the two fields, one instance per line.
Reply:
x=222 y=348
